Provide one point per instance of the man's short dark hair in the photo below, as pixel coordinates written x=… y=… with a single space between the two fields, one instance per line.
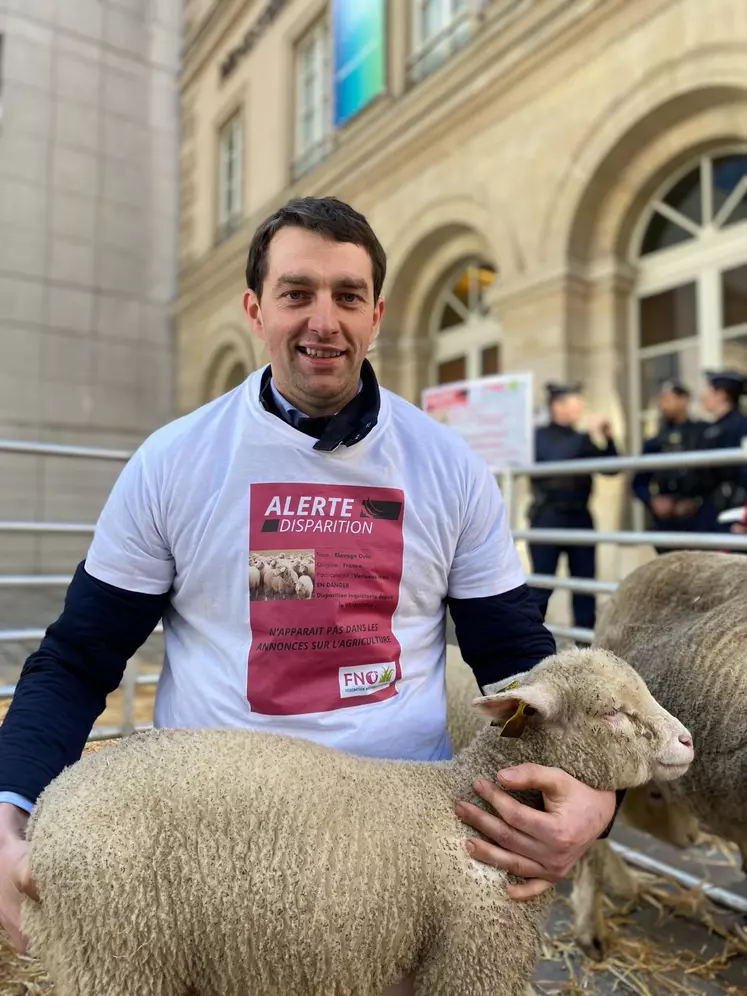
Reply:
x=326 y=216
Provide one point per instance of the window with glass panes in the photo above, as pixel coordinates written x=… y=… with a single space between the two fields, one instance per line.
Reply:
x=230 y=173
x=465 y=336
x=691 y=293
x=439 y=28
x=313 y=112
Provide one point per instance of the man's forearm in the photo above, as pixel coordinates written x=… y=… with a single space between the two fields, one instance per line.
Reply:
x=501 y=635
x=64 y=684
x=47 y=725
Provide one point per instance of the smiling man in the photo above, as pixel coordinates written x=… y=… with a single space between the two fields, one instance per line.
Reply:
x=301 y=536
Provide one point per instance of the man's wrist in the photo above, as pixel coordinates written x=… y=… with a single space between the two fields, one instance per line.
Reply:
x=13 y=821
x=619 y=798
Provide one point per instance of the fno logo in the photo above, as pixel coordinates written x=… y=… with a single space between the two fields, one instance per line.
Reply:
x=366 y=679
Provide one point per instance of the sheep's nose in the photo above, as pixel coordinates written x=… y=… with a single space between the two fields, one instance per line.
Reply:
x=685 y=739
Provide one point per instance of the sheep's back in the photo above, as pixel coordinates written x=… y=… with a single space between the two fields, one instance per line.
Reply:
x=673 y=588
x=681 y=621
x=222 y=828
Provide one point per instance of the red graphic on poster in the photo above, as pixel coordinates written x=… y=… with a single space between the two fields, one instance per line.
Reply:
x=325 y=566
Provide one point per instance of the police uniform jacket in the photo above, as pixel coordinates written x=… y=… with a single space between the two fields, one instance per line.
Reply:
x=727 y=486
x=673 y=437
x=564 y=493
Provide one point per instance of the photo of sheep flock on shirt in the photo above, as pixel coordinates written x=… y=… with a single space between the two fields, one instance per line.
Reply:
x=281 y=574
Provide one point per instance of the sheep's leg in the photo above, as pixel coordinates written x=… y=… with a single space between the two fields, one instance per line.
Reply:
x=623 y=882
x=586 y=899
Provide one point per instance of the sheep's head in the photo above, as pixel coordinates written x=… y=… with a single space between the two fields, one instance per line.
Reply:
x=594 y=713
x=655 y=809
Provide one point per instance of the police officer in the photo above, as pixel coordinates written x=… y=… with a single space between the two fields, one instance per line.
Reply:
x=673 y=497
x=562 y=502
x=727 y=486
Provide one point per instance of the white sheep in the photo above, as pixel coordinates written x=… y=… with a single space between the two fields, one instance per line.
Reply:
x=649 y=807
x=280 y=582
x=255 y=580
x=681 y=621
x=304 y=587
x=231 y=861
x=308 y=569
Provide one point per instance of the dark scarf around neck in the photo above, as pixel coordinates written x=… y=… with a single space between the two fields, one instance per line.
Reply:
x=351 y=424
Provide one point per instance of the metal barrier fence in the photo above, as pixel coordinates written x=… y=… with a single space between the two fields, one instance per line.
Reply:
x=595 y=537
x=32 y=636
x=671 y=540
x=663 y=540
x=579 y=537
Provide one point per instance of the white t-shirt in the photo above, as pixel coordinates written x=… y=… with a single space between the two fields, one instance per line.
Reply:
x=307 y=588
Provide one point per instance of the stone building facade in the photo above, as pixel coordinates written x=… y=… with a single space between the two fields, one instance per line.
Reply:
x=560 y=185
x=88 y=250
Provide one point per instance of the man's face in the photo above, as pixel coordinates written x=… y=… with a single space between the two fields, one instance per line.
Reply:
x=711 y=400
x=568 y=409
x=673 y=407
x=318 y=317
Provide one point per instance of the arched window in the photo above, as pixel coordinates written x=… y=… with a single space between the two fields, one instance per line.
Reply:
x=691 y=293
x=235 y=375
x=465 y=337
x=226 y=372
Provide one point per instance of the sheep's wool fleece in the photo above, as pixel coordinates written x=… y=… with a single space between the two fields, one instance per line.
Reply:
x=163 y=872
x=681 y=621
x=384 y=530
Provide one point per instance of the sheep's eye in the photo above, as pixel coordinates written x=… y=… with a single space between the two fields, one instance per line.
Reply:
x=529 y=711
x=656 y=794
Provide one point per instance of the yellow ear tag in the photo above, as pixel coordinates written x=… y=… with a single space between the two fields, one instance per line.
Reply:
x=515 y=725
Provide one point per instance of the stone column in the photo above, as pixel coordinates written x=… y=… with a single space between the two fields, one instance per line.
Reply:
x=401 y=362
x=534 y=333
x=398 y=18
x=608 y=366
x=576 y=327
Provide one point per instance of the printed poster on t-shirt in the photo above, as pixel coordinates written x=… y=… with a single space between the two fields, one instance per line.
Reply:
x=494 y=415
x=325 y=567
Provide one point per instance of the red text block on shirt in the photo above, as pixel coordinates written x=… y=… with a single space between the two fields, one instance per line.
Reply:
x=325 y=568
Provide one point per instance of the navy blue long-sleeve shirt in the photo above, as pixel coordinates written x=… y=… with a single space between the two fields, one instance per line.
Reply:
x=64 y=684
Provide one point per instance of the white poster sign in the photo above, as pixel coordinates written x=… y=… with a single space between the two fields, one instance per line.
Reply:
x=494 y=415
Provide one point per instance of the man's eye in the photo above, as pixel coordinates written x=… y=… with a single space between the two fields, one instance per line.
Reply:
x=350 y=298
x=296 y=295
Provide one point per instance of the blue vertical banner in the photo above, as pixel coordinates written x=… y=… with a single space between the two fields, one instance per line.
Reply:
x=359 y=55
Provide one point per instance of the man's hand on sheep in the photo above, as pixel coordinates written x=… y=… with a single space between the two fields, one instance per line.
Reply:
x=15 y=874
x=541 y=847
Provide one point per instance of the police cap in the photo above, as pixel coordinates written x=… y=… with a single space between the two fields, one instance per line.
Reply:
x=555 y=391
x=675 y=386
x=727 y=380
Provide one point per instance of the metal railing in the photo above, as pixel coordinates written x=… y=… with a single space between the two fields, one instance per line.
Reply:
x=568 y=537
x=606 y=465
x=131 y=678
x=668 y=540
x=620 y=538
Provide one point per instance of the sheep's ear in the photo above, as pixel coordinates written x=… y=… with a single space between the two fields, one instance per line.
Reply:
x=513 y=707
